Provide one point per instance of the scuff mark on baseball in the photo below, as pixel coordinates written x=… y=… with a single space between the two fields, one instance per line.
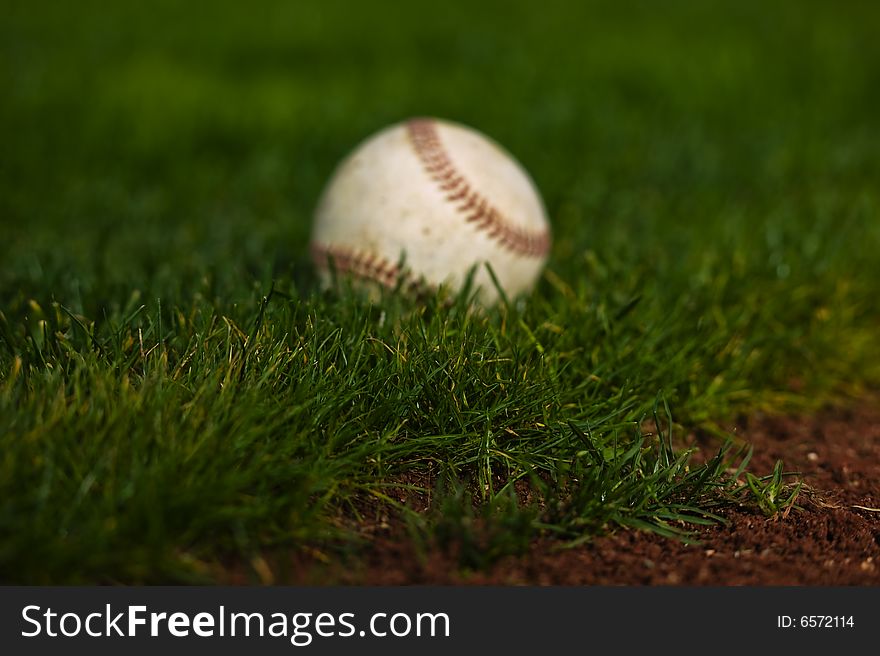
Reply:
x=440 y=197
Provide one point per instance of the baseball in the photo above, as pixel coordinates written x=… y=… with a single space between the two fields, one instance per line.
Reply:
x=422 y=203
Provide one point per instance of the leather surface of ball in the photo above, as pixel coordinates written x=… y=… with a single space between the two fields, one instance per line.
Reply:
x=439 y=198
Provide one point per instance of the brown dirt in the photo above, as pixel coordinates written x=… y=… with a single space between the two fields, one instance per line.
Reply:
x=833 y=538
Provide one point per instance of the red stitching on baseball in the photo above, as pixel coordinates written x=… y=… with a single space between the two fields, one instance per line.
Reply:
x=438 y=164
x=452 y=184
x=367 y=266
x=463 y=193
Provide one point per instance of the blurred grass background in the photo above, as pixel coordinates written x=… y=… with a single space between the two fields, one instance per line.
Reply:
x=710 y=169
x=145 y=144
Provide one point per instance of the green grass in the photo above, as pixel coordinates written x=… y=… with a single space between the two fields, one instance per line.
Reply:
x=176 y=393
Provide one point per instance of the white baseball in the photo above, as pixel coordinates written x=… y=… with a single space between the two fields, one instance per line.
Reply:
x=442 y=199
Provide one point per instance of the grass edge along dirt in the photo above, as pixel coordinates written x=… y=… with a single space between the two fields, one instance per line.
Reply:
x=161 y=444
